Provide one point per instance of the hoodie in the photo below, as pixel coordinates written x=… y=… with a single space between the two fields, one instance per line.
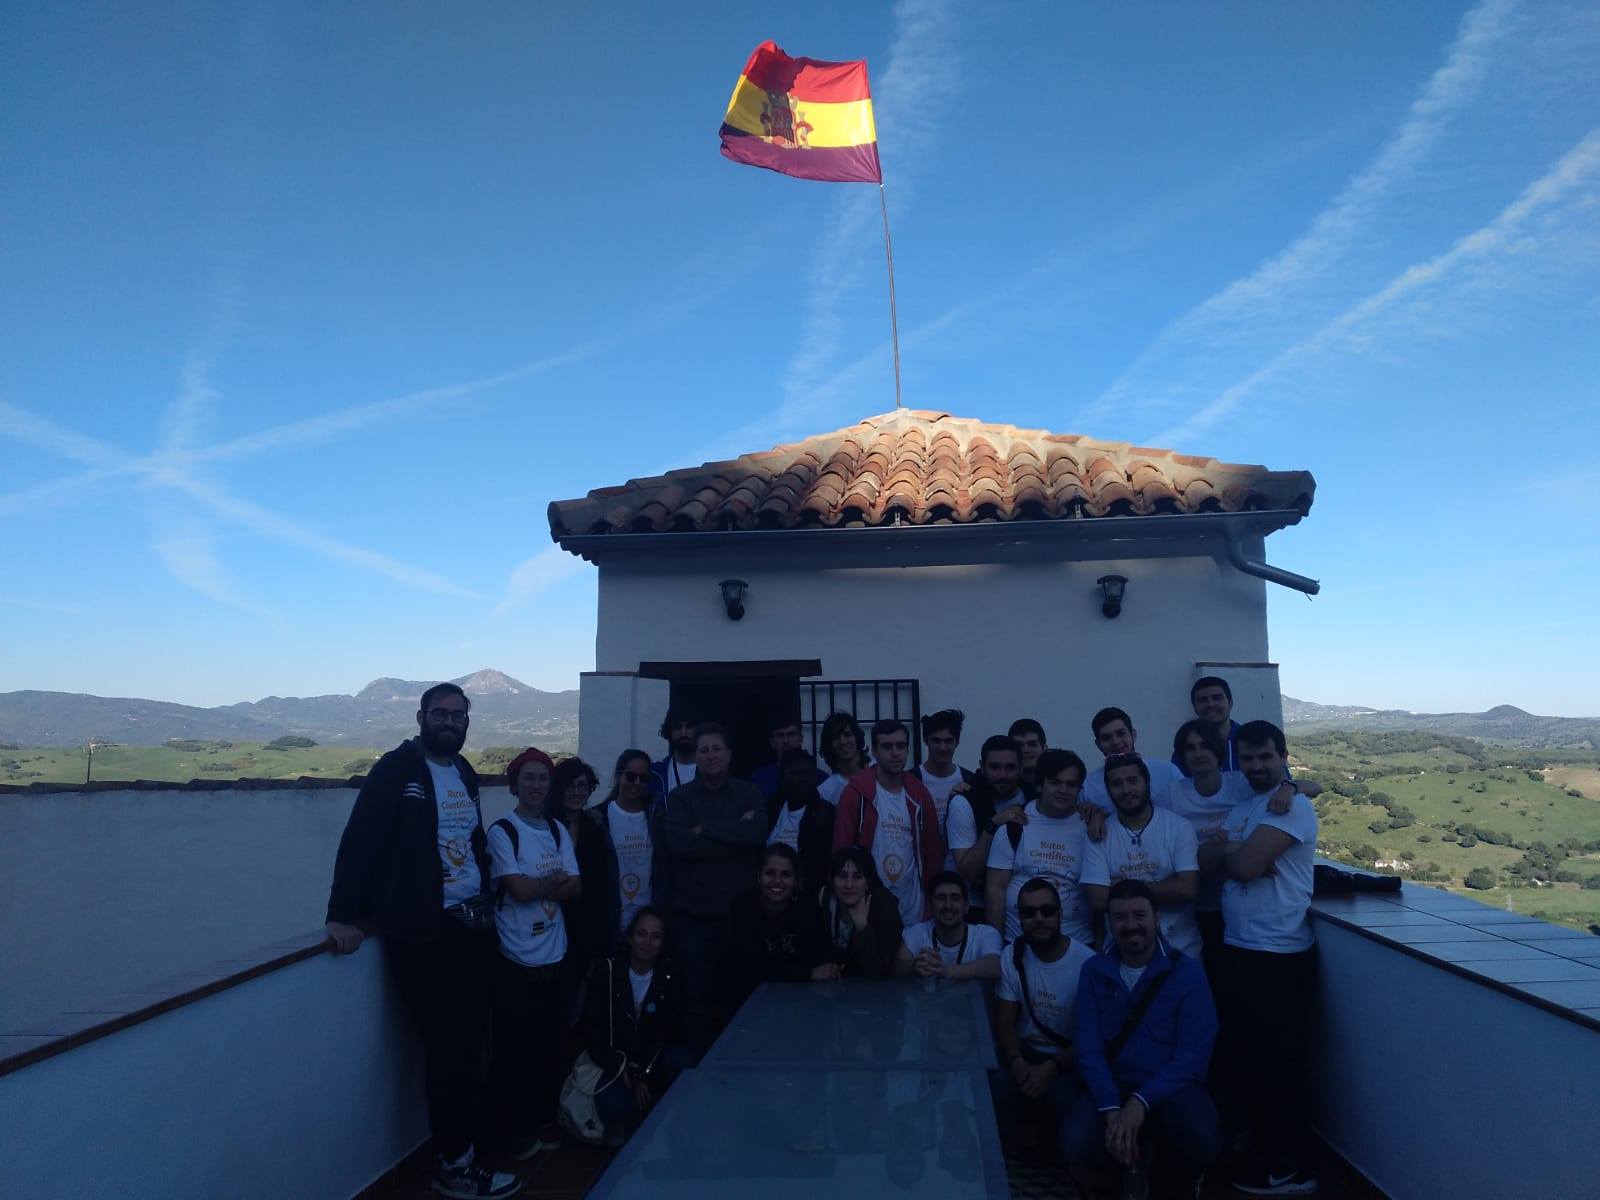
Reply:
x=856 y=823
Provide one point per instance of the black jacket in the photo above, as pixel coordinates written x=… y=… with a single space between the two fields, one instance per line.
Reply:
x=387 y=872
x=616 y=1035
x=870 y=951
x=594 y=924
x=816 y=838
x=713 y=866
x=785 y=948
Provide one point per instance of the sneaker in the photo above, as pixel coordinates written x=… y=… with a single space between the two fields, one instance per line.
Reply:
x=1266 y=1181
x=466 y=1179
x=524 y=1148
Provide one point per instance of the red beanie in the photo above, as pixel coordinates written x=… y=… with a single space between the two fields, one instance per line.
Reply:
x=530 y=755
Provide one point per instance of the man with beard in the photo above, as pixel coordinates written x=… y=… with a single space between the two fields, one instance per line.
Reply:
x=1143 y=1029
x=413 y=864
x=1038 y=987
x=946 y=947
x=1150 y=844
x=1049 y=846
x=1267 y=967
x=678 y=767
x=973 y=820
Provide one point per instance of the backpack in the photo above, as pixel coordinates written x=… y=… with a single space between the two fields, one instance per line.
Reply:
x=510 y=827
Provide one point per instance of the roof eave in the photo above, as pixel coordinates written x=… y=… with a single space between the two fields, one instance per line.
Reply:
x=1157 y=527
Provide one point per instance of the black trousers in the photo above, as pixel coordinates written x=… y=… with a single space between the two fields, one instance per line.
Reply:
x=445 y=988
x=1266 y=1003
x=529 y=1020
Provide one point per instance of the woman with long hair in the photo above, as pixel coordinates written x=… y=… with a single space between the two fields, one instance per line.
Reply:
x=774 y=931
x=861 y=918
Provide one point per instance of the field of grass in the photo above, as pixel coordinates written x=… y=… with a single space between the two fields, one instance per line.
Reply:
x=181 y=762
x=1438 y=813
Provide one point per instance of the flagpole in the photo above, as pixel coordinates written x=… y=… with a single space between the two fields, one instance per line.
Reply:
x=894 y=320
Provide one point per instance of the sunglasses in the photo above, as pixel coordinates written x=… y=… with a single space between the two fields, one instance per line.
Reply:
x=635 y=776
x=1029 y=911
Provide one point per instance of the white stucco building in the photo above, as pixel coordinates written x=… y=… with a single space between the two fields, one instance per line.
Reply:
x=918 y=561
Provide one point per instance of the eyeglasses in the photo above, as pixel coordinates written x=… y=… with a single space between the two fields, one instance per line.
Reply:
x=1029 y=911
x=447 y=716
x=635 y=776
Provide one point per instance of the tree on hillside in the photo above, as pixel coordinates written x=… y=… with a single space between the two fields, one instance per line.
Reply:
x=291 y=741
x=1480 y=879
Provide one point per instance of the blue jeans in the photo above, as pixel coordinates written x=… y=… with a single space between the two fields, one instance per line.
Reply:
x=1010 y=1105
x=616 y=1106
x=1185 y=1123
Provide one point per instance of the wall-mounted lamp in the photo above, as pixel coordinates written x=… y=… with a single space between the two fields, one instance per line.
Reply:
x=1111 y=589
x=733 y=597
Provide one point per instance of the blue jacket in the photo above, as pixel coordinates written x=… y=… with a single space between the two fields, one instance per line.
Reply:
x=1169 y=1050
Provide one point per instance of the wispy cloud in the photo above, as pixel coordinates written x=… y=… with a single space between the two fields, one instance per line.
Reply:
x=1548 y=214
x=533 y=576
x=1288 y=290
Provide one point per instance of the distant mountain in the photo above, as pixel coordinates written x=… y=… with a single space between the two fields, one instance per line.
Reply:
x=1505 y=723
x=504 y=711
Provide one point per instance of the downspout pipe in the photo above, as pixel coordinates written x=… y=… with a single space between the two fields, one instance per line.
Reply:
x=1261 y=570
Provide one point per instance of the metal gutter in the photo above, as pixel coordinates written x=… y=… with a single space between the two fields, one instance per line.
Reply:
x=1261 y=570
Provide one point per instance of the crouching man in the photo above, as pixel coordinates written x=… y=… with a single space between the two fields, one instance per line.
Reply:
x=1144 y=1027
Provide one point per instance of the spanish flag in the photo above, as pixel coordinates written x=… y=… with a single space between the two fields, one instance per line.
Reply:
x=805 y=118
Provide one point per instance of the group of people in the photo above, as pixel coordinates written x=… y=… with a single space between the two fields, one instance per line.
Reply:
x=1115 y=916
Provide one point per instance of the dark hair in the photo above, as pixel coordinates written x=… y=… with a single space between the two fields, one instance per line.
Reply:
x=862 y=860
x=782 y=850
x=946 y=718
x=831 y=729
x=790 y=757
x=567 y=771
x=1259 y=733
x=887 y=726
x=443 y=689
x=623 y=759
x=1131 y=889
x=1210 y=681
x=1107 y=715
x=649 y=910
x=1125 y=760
x=999 y=741
x=1039 y=884
x=1209 y=738
x=1024 y=725
x=781 y=720
x=712 y=729
x=1052 y=762
x=678 y=714
x=946 y=877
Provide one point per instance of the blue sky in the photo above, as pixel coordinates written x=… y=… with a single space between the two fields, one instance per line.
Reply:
x=311 y=310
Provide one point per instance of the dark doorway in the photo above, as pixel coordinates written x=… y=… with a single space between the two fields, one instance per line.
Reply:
x=743 y=696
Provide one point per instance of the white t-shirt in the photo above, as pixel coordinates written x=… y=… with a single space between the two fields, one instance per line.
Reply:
x=982 y=941
x=1160 y=850
x=1053 y=988
x=679 y=773
x=894 y=852
x=1050 y=848
x=940 y=789
x=531 y=931
x=1131 y=975
x=961 y=830
x=1269 y=913
x=787 y=827
x=1162 y=776
x=1208 y=815
x=458 y=817
x=831 y=788
x=630 y=834
x=640 y=984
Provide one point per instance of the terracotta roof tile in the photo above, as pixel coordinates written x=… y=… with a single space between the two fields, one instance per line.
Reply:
x=925 y=467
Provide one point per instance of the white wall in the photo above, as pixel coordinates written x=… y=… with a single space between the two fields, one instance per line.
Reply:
x=1435 y=1085
x=999 y=640
x=303 y=1082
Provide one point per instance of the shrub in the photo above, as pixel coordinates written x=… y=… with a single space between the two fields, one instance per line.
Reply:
x=1379 y=827
x=1424 y=837
x=1480 y=879
x=1468 y=842
x=291 y=741
x=1592 y=883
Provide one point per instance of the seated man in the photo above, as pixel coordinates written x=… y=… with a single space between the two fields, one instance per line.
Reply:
x=1150 y=844
x=1033 y=1017
x=947 y=947
x=1144 y=1026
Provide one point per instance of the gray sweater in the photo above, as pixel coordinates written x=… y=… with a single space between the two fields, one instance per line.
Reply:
x=713 y=866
